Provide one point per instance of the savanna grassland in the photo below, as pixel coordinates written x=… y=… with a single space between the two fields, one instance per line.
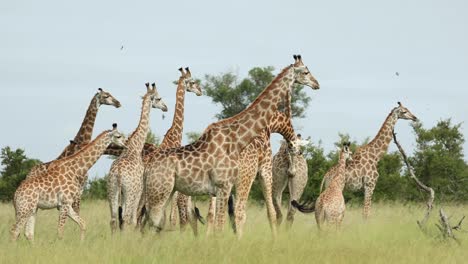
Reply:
x=390 y=236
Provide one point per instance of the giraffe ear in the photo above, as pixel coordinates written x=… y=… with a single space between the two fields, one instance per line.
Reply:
x=182 y=71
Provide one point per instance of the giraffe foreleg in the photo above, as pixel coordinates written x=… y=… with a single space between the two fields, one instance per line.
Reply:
x=30 y=224
x=247 y=172
x=280 y=181
x=368 y=191
x=113 y=196
x=296 y=186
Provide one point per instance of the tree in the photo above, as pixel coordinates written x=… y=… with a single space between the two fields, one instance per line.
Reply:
x=15 y=168
x=96 y=189
x=152 y=138
x=235 y=96
x=438 y=160
x=192 y=136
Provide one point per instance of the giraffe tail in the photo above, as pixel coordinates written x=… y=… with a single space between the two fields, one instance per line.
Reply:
x=199 y=217
x=305 y=207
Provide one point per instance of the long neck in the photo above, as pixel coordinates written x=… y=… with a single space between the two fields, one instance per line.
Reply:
x=87 y=156
x=86 y=130
x=137 y=139
x=340 y=178
x=253 y=121
x=282 y=122
x=173 y=137
x=379 y=144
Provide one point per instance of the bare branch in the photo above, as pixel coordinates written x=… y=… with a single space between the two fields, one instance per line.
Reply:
x=420 y=185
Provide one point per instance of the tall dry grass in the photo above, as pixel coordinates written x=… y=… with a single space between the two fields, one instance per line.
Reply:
x=390 y=236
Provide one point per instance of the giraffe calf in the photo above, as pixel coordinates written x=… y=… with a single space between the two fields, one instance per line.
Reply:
x=330 y=205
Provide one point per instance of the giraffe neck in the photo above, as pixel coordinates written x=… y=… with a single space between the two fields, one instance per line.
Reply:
x=88 y=155
x=137 y=139
x=86 y=130
x=173 y=137
x=379 y=144
x=253 y=121
x=340 y=178
x=282 y=122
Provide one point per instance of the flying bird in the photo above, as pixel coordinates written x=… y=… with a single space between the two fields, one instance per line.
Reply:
x=397 y=73
x=121 y=48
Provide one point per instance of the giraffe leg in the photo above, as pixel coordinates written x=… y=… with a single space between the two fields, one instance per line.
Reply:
x=191 y=218
x=266 y=181
x=29 y=232
x=182 y=206
x=156 y=213
x=22 y=217
x=211 y=216
x=243 y=187
x=75 y=217
x=113 y=193
x=222 y=196
x=368 y=191
x=296 y=188
x=279 y=184
x=174 y=212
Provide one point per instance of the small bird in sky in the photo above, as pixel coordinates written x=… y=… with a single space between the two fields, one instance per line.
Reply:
x=397 y=73
x=121 y=48
x=163 y=116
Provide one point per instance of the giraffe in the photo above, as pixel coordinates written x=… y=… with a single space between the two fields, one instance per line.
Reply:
x=59 y=186
x=361 y=171
x=256 y=159
x=210 y=165
x=330 y=205
x=85 y=132
x=289 y=169
x=173 y=139
x=125 y=180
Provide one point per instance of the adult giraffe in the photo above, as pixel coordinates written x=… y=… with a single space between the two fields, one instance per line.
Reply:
x=83 y=137
x=210 y=165
x=59 y=186
x=125 y=180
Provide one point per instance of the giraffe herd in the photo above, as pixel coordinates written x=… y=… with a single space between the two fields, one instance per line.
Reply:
x=145 y=178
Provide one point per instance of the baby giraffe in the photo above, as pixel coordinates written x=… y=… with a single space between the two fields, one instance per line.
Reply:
x=59 y=186
x=330 y=205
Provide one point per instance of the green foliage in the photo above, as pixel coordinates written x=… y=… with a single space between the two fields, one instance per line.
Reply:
x=152 y=138
x=192 y=136
x=96 y=188
x=439 y=162
x=234 y=95
x=15 y=168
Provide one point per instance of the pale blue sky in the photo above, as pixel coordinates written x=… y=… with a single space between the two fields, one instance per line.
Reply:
x=54 y=55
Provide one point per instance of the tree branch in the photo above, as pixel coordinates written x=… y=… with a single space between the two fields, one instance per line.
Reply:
x=420 y=185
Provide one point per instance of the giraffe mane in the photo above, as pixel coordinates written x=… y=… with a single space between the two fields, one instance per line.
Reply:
x=82 y=149
x=253 y=104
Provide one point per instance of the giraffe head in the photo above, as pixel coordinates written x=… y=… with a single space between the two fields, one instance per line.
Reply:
x=156 y=100
x=105 y=98
x=346 y=150
x=190 y=84
x=294 y=150
x=117 y=137
x=402 y=112
x=302 y=74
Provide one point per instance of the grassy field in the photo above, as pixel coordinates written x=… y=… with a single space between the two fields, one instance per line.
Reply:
x=390 y=236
